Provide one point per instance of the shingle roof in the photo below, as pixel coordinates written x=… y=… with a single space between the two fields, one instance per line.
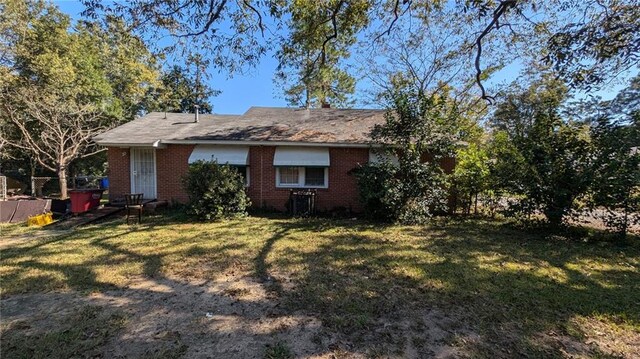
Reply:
x=258 y=124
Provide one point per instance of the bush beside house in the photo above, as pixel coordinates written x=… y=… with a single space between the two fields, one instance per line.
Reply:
x=215 y=191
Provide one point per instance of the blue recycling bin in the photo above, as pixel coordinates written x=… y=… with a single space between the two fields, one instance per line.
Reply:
x=104 y=182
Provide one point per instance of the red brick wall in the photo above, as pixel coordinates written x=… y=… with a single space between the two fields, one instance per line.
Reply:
x=448 y=164
x=342 y=191
x=172 y=163
x=118 y=172
x=262 y=186
x=343 y=186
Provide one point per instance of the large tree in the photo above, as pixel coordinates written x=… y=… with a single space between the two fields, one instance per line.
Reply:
x=616 y=183
x=541 y=158
x=311 y=58
x=182 y=88
x=432 y=61
x=420 y=129
x=52 y=129
x=67 y=83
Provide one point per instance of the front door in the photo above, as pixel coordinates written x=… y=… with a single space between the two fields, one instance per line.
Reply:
x=143 y=172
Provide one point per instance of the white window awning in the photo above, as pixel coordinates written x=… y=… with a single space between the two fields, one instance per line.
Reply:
x=301 y=156
x=232 y=155
x=378 y=155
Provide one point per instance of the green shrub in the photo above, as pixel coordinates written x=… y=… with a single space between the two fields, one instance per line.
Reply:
x=615 y=189
x=471 y=175
x=420 y=126
x=408 y=194
x=372 y=187
x=215 y=191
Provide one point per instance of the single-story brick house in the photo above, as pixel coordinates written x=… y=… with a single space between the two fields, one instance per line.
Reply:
x=276 y=149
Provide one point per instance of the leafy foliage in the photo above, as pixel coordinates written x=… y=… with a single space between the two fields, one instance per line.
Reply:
x=373 y=184
x=471 y=175
x=310 y=58
x=541 y=159
x=410 y=195
x=421 y=130
x=605 y=42
x=66 y=83
x=215 y=191
x=181 y=91
x=586 y=42
x=225 y=32
x=56 y=132
x=616 y=184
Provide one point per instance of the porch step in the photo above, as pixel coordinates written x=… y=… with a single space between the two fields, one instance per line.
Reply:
x=84 y=218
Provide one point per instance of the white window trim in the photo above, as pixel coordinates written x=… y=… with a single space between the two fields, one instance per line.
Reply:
x=301 y=178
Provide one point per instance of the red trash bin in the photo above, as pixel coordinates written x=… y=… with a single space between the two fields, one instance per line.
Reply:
x=83 y=200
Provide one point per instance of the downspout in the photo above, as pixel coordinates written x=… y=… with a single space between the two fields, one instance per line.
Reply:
x=261 y=177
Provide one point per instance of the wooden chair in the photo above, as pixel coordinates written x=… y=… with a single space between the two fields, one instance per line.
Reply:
x=133 y=202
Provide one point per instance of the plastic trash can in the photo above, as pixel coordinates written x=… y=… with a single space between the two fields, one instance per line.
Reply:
x=83 y=200
x=104 y=182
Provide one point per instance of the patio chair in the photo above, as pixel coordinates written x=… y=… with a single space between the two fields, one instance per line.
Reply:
x=133 y=202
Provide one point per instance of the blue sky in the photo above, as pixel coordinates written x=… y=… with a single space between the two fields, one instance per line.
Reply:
x=256 y=86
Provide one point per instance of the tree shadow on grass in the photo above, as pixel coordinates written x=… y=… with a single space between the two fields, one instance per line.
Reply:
x=512 y=291
x=480 y=288
x=166 y=316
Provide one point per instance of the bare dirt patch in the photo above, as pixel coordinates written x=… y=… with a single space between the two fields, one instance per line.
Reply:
x=173 y=318
x=232 y=316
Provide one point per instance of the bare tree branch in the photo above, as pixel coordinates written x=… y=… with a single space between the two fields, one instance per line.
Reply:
x=494 y=23
x=258 y=13
x=213 y=15
x=396 y=16
x=53 y=130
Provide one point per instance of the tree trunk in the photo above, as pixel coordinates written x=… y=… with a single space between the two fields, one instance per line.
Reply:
x=62 y=179
x=475 y=205
x=32 y=166
x=625 y=225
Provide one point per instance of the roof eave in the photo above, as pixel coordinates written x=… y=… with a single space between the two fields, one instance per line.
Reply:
x=273 y=143
x=154 y=144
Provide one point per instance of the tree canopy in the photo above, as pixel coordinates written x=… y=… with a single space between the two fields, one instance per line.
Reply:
x=586 y=42
x=311 y=55
x=182 y=88
x=65 y=82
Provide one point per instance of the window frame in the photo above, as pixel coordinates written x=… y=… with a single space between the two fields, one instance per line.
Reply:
x=279 y=177
x=301 y=178
x=247 y=177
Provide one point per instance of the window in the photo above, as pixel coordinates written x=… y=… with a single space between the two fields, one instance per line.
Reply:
x=313 y=177
x=289 y=175
x=244 y=172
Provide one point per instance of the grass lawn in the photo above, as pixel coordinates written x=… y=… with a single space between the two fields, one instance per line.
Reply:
x=280 y=287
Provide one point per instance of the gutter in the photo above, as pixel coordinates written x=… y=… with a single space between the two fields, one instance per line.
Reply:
x=155 y=144
x=271 y=143
x=164 y=143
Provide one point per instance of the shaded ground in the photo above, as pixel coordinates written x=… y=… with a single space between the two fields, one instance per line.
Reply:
x=277 y=288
